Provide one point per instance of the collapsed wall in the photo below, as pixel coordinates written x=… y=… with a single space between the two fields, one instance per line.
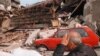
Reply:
x=34 y=16
x=92 y=14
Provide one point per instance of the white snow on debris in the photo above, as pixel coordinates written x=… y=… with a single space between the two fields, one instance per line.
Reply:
x=5 y=54
x=32 y=36
x=20 y=52
x=24 y=52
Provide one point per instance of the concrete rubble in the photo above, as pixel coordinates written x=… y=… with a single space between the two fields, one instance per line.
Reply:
x=20 y=27
x=20 y=52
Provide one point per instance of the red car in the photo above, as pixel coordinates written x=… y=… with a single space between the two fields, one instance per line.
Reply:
x=88 y=38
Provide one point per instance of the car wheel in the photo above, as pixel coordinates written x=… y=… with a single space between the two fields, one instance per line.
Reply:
x=42 y=48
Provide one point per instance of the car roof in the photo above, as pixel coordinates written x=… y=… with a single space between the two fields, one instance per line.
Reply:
x=84 y=27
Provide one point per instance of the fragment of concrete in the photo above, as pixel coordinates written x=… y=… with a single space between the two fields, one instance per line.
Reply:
x=9 y=8
x=56 y=23
x=46 y=33
x=73 y=23
x=5 y=24
x=2 y=7
x=32 y=36
x=60 y=20
x=39 y=33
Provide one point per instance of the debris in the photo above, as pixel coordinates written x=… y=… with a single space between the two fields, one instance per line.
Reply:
x=20 y=52
x=2 y=7
x=24 y=52
x=5 y=54
x=32 y=36
x=11 y=40
x=46 y=33
x=56 y=23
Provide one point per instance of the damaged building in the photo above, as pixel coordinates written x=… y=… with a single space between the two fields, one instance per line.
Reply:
x=34 y=16
x=41 y=14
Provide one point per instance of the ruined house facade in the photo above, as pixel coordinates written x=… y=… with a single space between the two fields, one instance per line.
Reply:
x=35 y=16
x=40 y=13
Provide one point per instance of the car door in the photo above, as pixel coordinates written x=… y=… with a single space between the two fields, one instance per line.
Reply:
x=85 y=36
x=56 y=39
x=53 y=42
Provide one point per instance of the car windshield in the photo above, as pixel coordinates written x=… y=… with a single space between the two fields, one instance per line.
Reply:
x=82 y=32
x=60 y=33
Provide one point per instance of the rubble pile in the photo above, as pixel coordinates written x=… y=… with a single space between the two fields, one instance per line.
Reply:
x=33 y=16
x=9 y=38
x=27 y=18
x=22 y=19
x=17 y=27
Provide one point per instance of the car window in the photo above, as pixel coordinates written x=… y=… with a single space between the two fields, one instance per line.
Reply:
x=61 y=33
x=82 y=32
